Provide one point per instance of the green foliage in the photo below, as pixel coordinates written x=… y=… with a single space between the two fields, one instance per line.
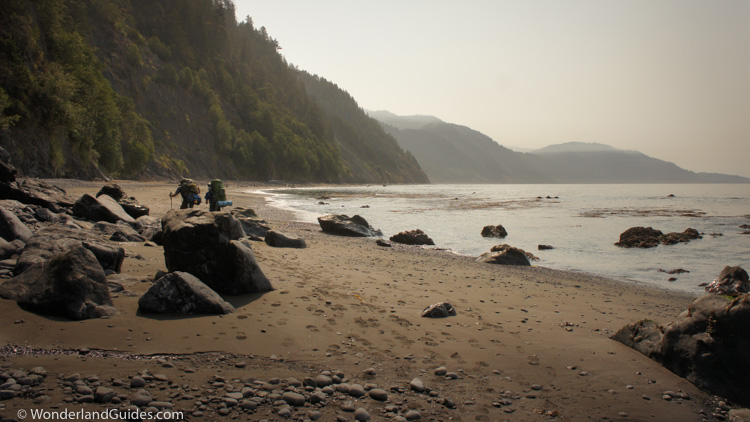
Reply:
x=6 y=120
x=134 y=57
x=168 y=75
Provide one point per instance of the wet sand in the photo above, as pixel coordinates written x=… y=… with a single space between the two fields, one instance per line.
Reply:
x=527 y=343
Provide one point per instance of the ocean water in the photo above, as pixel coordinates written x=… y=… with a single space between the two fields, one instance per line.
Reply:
x=581 y=222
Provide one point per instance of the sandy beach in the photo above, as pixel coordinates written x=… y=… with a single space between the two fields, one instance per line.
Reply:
x=527 y=344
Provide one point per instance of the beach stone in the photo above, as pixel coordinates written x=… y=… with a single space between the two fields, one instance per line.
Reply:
x=441 y=371
x=378 y=394
x=412 y=237
x=494 y=231
x=141 y=398
x=205 y=245
x=383 y=243
x=704 y=345
x=412 y=415
x=356 y=390
x=149 y=227
x=51 y=241
x=70 y=285
x=343 y=225
x=731 y=281
x=119 y=232
x=103 y=208
x=285 y=412
x=507 y=256
x=11 y=228
x=439 y=310
x=361 y=415
x=417 y=385
x=137 y=382
x=182 y=293
x=545 y=247
x=323 y=380
x=36 y=192
x=293 y=399
x=281 y=240
x=104 y=394
x=161 y=405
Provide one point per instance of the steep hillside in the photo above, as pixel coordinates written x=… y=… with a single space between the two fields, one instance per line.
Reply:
x=143 y=88
x=452 y=153
x=369 y=152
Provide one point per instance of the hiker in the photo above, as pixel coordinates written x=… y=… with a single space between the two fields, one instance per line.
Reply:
x=190 y=193
x=215 y=195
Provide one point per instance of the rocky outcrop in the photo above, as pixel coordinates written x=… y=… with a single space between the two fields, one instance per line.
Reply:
x=505 y=255
x=343 y=225
x=731 y=281
x=182 y=293
x=70 y=285
x=36 y=192
x=53 y=240
x=281 y=240
x=11 y=228
x=206 y=245
x=707 y=345
x=494 y=231
x=120 y=232
x=648 y=237
x=102 y=208
x=412 y=237
x=149 y=227
x=129 y=204
x=439 y=310
x=503 y=247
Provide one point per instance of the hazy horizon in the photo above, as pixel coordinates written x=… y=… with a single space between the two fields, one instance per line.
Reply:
x=665 y=78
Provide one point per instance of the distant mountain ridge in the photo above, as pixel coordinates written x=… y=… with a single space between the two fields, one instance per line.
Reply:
x=451 y=153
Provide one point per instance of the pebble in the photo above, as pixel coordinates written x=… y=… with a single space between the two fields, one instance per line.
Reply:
x=441 y=371
x=137 y=382
x=285 y=412
x=361 y=415
x=370 y=371
x=293 y=399
x=356 y=390
x=378 y=394
x=412 y=415
x=417 y=385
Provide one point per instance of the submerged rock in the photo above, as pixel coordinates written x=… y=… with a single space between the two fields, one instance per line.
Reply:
x=731 y=281
x=412 y=237
x=648 y=237
x=494 y=231
x=343 y=225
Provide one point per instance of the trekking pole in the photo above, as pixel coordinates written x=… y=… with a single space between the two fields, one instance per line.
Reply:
x=170 y=202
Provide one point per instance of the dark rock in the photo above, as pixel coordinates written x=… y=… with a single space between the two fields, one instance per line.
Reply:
x=149 y=227
x=343 y=225
x=412 y=237
x=35 y=192
x=507 y=255
x=383 y=243
x=53 y=240
x=503 y=247
x=706 y=345
x=439 y=310
x=182 y=293
x=545 y=247
x=11 y=228
x=45 y=215
x=102 y=208
x=731 y=281
x=133 y=208
x=8 y=249
x=254 y=228
x=205 y=245
x=112 y=190
x=120 y=232
x=281 y=240
x=494 y=231
x=293 y=399
x=71 y=285
x=647 y=237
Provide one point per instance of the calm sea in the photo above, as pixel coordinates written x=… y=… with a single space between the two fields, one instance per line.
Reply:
x=581 y=222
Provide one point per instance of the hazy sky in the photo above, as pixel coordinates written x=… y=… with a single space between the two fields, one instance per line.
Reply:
x=668 y=78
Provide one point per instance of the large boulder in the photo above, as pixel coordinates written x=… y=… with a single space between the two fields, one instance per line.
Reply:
x=70 y=285
x=182 y=293
x=648 y=237
x=505 y=255
x=731 y=281
x=206 y=245
x=281 y=240
x=149 y=227
x=412 y=237
x=120 y=232
x=494 y=231
x=707 y=345
x=53 y=240
x=102 y=208
x=11 y=228
x=36 y=192
x=343 y=225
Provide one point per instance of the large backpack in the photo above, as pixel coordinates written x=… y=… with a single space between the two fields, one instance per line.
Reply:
x=190 y=187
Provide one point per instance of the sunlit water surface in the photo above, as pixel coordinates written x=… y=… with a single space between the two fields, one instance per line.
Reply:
x=581 y=222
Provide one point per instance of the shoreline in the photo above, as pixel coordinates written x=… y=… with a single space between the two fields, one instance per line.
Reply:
x=527 y=343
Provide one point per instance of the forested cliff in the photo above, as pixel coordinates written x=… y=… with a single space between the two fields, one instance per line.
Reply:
x=156 y=88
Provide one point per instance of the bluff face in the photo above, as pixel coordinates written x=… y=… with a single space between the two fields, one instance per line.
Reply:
x=156 y=88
